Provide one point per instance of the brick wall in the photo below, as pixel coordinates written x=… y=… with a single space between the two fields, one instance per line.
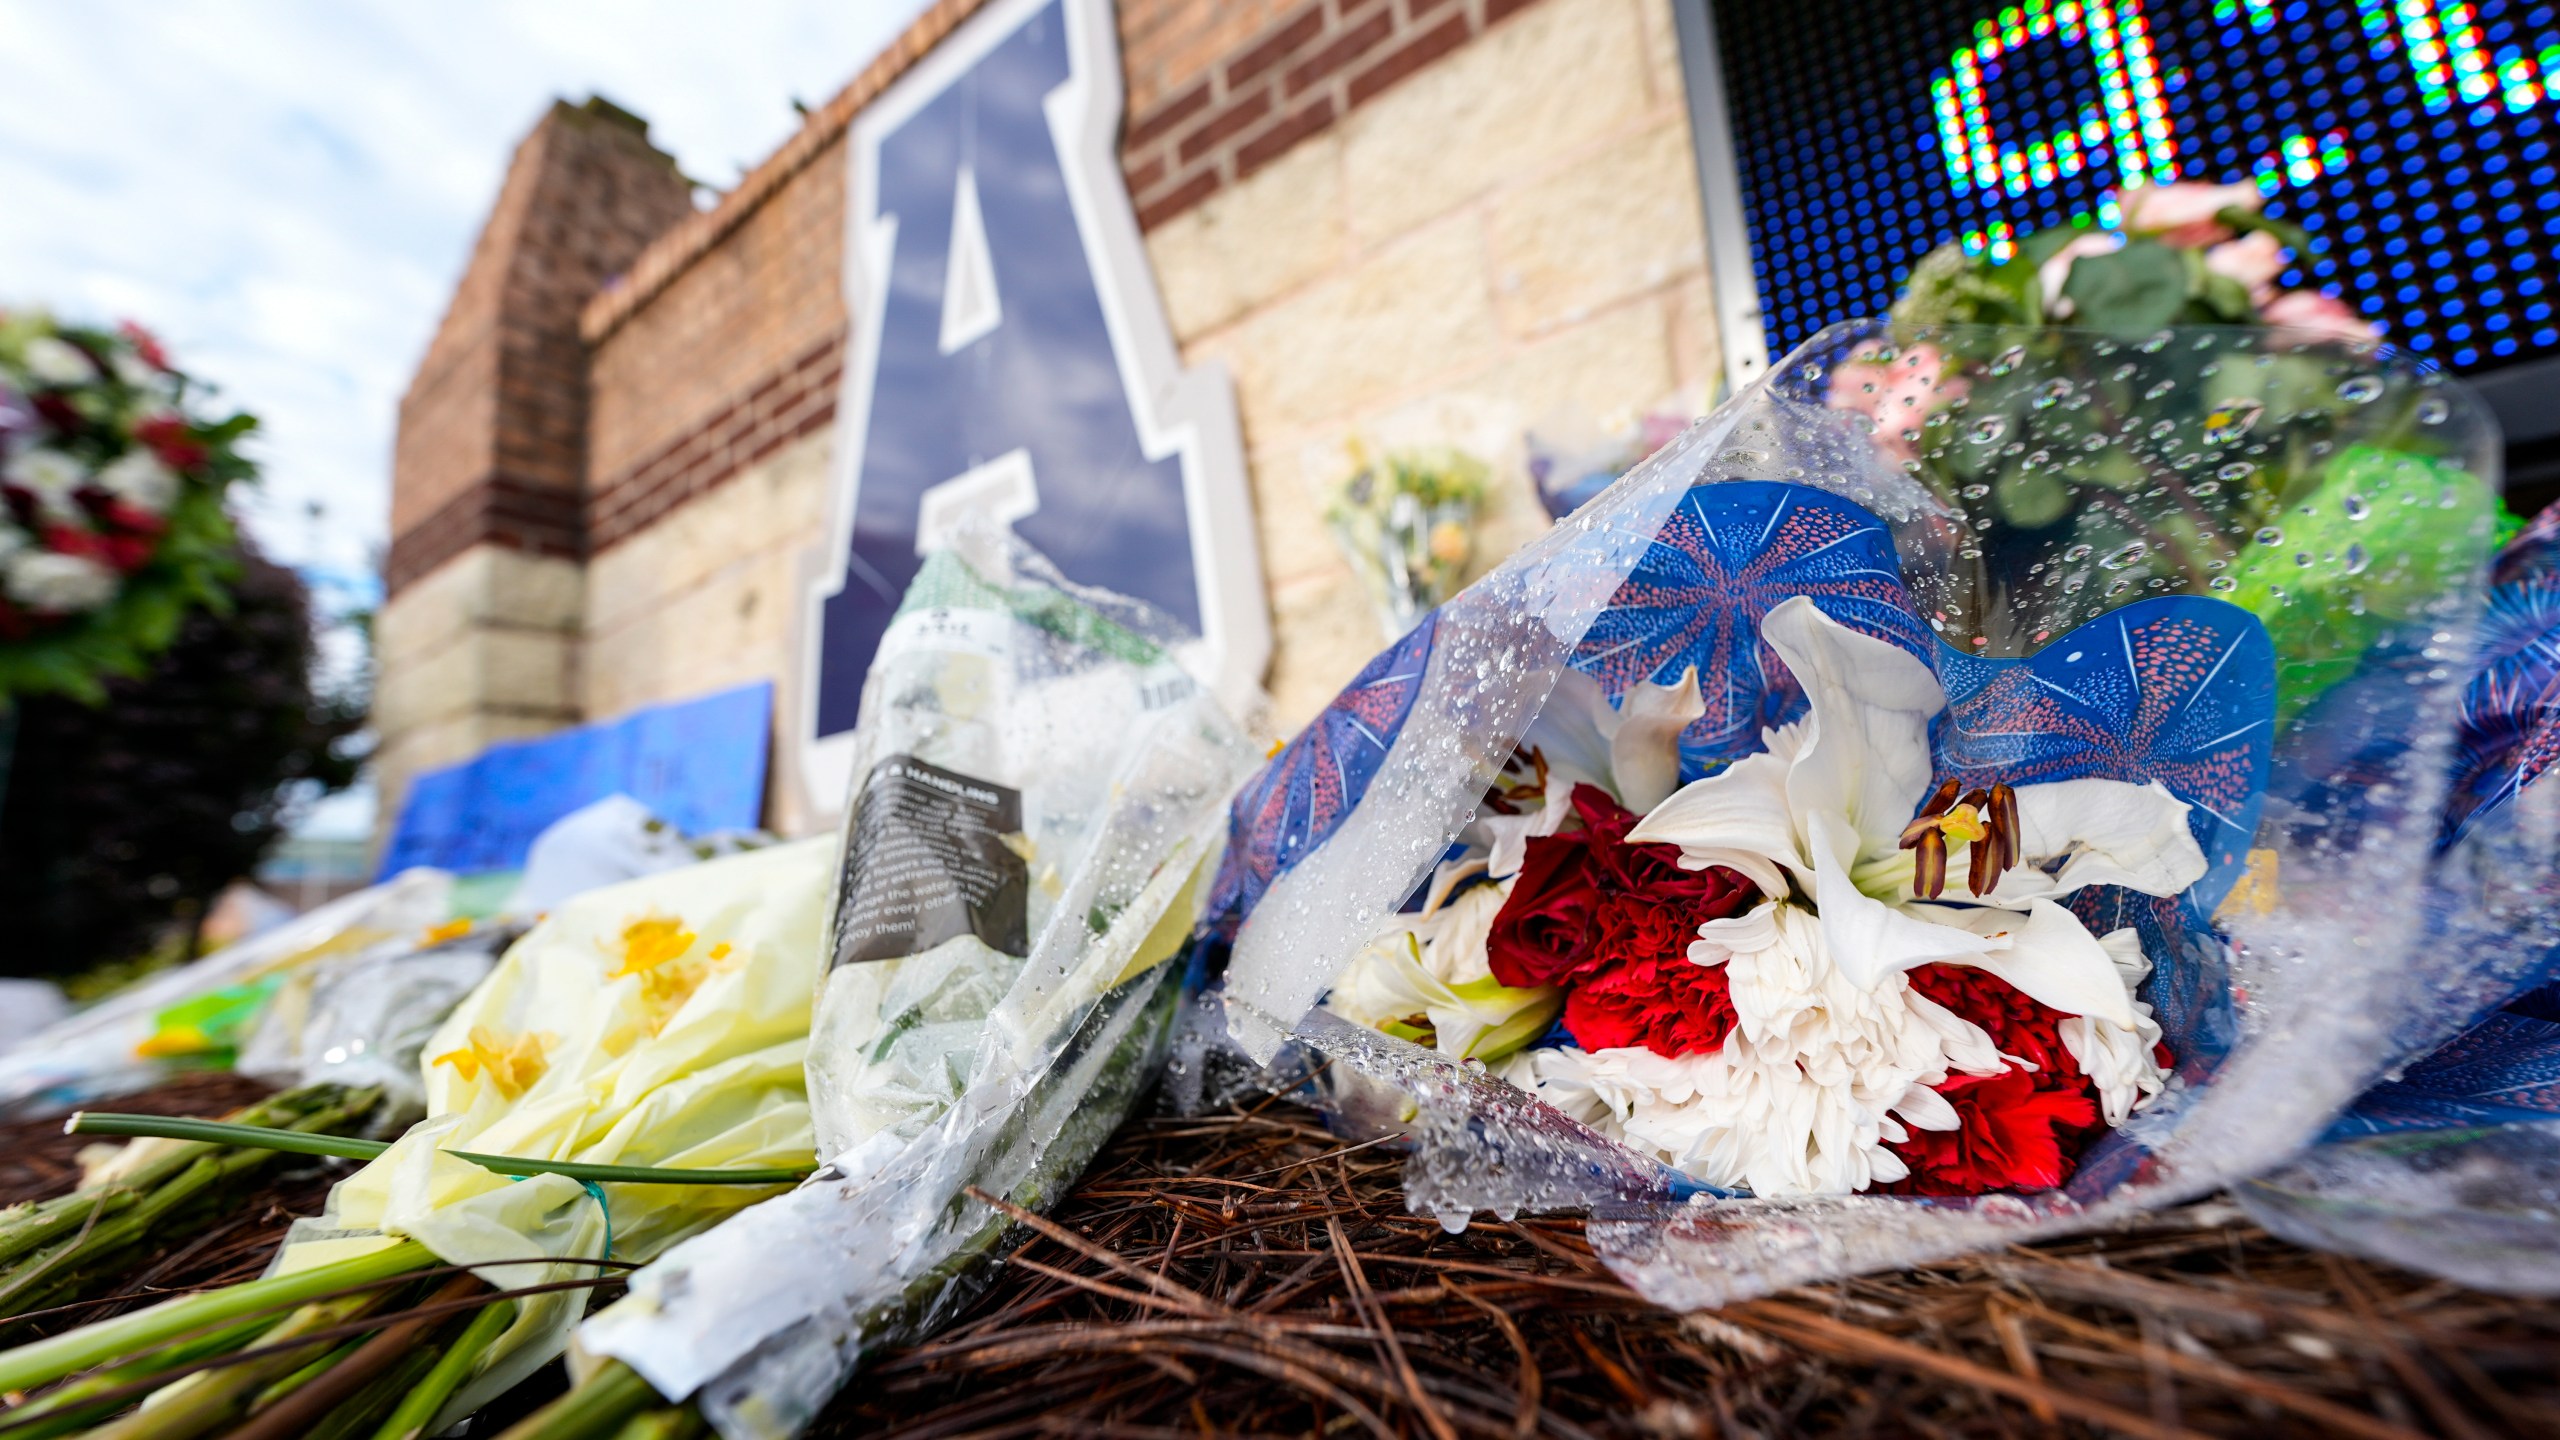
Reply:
x=492 y=437
x=1218 y=90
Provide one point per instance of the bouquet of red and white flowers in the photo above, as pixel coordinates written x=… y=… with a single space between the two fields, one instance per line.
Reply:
x=114 y=523
x=1804 y=868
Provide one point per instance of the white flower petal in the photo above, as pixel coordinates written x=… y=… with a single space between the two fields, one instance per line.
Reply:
x=2048 y=954
x=1644 y=747
x=1925 y=1109
x=2112 y=833
x=1572 y=732
x=1869 y=940
x=1869 y=753
x=1738 y=818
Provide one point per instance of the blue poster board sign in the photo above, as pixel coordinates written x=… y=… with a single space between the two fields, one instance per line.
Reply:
x=699 y=764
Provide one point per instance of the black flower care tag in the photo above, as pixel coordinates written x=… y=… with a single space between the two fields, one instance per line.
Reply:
x=931 y=856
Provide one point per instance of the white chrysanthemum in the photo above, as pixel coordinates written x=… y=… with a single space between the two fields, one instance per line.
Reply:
x=52 y=477
x=1819 y=1074
x=1427 y=978
x=2118 y=1060
x=50 y=360
x=59 y=584
x=138 y=478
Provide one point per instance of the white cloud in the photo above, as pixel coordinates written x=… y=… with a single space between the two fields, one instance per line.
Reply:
x=287 y=190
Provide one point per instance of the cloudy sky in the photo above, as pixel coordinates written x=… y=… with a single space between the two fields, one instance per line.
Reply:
x=286 y=190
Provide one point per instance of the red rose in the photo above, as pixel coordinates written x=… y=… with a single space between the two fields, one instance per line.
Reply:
x=1665 y=1002
x=73 y=540
x=167 y=435
x=2011 y=1135
x=1654 y=871
x=1543 y=932
x=145 y=344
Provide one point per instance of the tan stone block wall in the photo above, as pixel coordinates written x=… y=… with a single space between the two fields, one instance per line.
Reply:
x=480 y=649
x=1508 y=238
x=710 y=597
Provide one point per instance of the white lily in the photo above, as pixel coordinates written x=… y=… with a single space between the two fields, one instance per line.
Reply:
x=1428 y=978
x=1820 y=816
x=1631 y=750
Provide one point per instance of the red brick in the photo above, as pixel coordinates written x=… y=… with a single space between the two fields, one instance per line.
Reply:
x=1182 y=197
x=1499 y=9
x=1412 y=55
x=1341 y=50
x=1149 y=173
x=1275 y=46
x=1165 y=118
x=1225 y=124
x=1275 y=140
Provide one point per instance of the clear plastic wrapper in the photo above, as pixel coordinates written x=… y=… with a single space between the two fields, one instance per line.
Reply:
x=196 y=1012
x=2241 y=567
x=362 y=1020
x=1038 y=789
x=2452 y=1164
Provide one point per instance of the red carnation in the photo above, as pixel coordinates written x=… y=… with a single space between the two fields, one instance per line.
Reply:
x=2017 y=1024
x=1667 y=1003
x=167 y=435
x=2010 y=1136
x=73 y=540
x=1543 y=932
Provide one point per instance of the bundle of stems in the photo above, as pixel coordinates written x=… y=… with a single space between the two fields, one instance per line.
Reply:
x=77 y=1245
x=371 y=1346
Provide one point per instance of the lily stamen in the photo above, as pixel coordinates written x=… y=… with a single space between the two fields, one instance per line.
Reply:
x=1984 y=819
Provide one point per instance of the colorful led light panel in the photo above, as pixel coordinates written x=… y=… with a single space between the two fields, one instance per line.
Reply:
x=2412 y=138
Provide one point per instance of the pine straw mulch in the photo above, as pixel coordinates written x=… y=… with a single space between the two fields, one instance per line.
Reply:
x=1246 y=1273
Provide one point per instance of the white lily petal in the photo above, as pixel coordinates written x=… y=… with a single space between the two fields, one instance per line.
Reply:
x=2112 y=833
x=1506 y=837
x=1737 y=817
x=1572 y=732
x=1872 y=702
x=1644 y=749
x=2047 y=954
x=1869 y=940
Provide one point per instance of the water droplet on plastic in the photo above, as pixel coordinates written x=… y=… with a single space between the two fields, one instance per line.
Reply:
x=2077 y=552
x=1976 y=491
x=2124 y=555
x=2009 y=359
x=1988 y=429
x=2354 y=506
x=2163 y=388
x=2357 y=559
x=2051 y=393
x=2268 y=535
x=2360 y=389
x=2237 y=470
x=2229 y=421
x=1813 y=371
x=2222 y=583
x=2432 y=410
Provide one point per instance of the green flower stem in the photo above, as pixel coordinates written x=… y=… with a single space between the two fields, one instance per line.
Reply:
x=610 y=1399
x=68 y=1409
x=416 y=1409
x=30 y=1227
x=45 y=1361
x=89 y=1122
x=212 y=1400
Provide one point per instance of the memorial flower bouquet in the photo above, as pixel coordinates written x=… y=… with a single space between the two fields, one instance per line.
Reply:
x=113 y=525
x=1708 y=866
x=1407 y=522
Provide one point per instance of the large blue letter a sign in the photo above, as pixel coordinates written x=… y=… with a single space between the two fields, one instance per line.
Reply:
x=1012 y=361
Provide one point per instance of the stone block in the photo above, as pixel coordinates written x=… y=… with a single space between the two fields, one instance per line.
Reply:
x=1526 y=93
x=1252 y=241
x=1623 y=221
x=1411 y=311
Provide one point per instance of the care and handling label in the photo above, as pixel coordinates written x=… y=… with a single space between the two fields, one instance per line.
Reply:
x=930 y=859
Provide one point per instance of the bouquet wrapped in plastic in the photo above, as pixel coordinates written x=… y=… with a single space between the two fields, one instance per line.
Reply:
x=1037 y=789
x=1810 y=860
